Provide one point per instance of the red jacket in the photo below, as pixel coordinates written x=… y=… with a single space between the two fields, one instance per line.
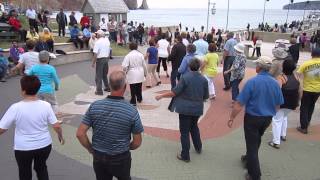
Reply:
x=15 y=23
x=85 y=20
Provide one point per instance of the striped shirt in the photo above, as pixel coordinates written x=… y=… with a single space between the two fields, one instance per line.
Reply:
x=113 y=120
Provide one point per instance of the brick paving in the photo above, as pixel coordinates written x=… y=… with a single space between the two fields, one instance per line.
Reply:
x=155 y=160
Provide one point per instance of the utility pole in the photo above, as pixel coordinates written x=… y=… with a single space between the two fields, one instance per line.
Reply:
x=291 y=2
x=304 y=12
x=228 y=15
x=264 y=10
x=208 y=15
x=213 y=12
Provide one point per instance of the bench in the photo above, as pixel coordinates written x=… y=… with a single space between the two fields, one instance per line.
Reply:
x=9 y=36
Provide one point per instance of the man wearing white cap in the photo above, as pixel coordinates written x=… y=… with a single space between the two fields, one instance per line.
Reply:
x=100 y=60
x=261 y=97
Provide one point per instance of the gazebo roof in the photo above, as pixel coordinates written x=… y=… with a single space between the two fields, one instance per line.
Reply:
x=106 y=6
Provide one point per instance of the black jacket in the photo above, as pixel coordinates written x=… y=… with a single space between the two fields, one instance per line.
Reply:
x=177 y=54
x=294 y=51
x=61 y=19
x=73 y=20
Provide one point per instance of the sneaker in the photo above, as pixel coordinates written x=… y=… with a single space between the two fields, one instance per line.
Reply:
x=107 y=90
x=303 y=131
x=226 y=88
x=181 y=159
x=98 y=94
x=276 y=146
x=158 y=84
x=283 y=138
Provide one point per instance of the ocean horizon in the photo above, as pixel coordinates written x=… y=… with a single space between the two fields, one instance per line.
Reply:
x=197 y=17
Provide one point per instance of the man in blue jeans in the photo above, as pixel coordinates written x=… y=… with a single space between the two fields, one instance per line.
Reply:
x=261 y=97
x=228 y=58
x=189 y=95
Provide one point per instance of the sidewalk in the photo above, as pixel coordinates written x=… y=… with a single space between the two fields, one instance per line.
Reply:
x=156 y=159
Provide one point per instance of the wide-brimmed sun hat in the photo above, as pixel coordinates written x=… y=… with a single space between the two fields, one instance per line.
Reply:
x=264 y=60
x=239 y=47
x=280 y=53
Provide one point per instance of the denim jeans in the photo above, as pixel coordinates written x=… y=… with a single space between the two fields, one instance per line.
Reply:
x=235 y=88
x=189 y=124
x=254 y=128
x=308 y=102
x=226 y=66
x=175 y=75
x=38 y=157
x=106 y=167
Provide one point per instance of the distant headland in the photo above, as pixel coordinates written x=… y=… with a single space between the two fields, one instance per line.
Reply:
x=306 y=5
x=133 y=4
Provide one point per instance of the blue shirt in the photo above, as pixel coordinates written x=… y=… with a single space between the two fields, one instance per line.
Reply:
x=86 y=33
x=184 y=67
x=229 y=46
x=190 y=92
x=261 y=95
x=47 y=75
x=74 y=32
x=153 y=55
x=202 y=47
x=113 y=120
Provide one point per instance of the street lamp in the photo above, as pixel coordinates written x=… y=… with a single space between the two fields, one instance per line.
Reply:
x=228 y=15
x=264 y=9
x=213 y=12
x=304 y=12
x=291 y=2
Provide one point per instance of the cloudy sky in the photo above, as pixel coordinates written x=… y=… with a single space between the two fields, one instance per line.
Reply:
x=221 y=4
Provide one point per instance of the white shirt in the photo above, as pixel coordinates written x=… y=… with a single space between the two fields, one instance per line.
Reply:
x=135 y=66
x=185 y=42
x=102 y=48
x=163 y=48
x=31 y=14
x=2 y=7
x=31 y=120
x=103 y=25
x=259 y=43
x=29 y=59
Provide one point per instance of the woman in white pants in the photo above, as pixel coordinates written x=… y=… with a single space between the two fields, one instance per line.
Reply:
x=210 y=68
x=290 y=87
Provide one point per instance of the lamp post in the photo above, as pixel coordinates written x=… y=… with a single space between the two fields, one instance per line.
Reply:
x=291 y=2
x=228 y=15
x=213 y=12
x=304 y=11
x=264 y=10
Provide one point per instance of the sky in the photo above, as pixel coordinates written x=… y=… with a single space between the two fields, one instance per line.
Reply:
x=220 y=4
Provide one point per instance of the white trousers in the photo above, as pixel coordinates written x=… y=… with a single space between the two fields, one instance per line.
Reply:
x=212 y=91
x=280 y=124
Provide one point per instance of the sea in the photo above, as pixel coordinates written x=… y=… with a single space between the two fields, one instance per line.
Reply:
x=195 y=18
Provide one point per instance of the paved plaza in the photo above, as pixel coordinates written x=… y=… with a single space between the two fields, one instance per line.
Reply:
x=298 y=158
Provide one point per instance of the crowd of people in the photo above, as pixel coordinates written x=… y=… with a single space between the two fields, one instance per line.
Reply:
x=116 y=123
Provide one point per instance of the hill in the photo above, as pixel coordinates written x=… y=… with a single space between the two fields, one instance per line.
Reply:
x=308 y=5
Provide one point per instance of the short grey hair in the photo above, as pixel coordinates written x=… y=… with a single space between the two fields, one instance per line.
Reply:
x=264 y=67
x=44 y=56
x=117 y=80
